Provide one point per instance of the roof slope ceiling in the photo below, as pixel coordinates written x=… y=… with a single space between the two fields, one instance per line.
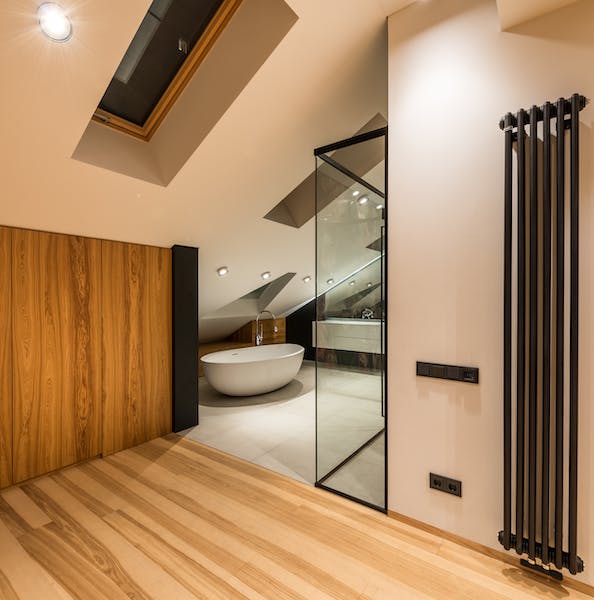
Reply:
x=319 y=85
x=514 y=12
x=248 y=40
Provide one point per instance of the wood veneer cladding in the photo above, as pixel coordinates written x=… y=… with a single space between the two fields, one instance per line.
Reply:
x=5 y=360
x=56 y=347
x=136 y=295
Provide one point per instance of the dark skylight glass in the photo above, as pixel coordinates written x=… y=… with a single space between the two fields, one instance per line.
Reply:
x=166 y=36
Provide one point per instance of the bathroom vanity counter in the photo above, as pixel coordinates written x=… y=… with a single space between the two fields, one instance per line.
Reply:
x=357 y=335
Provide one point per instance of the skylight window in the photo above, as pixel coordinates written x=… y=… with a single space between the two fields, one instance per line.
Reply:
x=171 y=42
x=154 y=17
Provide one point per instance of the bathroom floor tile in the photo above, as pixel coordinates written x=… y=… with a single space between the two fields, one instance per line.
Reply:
x=363 y=476
x=278 y=430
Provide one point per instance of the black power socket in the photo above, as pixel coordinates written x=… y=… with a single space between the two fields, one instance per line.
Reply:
x=445 y=484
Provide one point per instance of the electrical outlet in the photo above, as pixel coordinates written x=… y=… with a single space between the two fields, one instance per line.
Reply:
x=445 y=484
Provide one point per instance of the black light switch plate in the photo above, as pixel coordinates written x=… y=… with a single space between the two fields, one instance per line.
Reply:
x=450 y=372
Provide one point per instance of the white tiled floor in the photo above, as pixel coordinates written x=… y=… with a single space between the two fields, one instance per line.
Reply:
x=363 y=476
x=349 y=414
x=277 y=430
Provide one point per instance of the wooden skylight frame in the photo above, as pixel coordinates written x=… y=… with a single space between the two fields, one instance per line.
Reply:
x=197 y=55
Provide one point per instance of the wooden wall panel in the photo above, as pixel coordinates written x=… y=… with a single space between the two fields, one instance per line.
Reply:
x=5 y=360
x=56 y=318
x=136 y=344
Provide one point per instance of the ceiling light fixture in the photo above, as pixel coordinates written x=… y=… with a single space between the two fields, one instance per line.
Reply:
x=54 y=23
x=363 y=200
x=266 y=275
x=222 y=271
x=369 y=284
x=356 y=193
x=379 y=206
x=352 y=282
x=330 y=281
x=306 y=279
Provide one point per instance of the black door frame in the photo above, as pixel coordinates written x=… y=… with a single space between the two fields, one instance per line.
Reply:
x=320 y=153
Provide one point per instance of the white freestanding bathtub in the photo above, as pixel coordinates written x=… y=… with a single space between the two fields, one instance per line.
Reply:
x=253 y=370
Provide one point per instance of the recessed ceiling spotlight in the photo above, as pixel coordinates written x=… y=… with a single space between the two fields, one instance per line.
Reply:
x=306 y=279
x=54 y=22
x=222 y=271
x=363 y=200
x=330 y=281
x=266 y=275
x=352 y=282
x=369 y=284
x=356 y=193
x=379 y=206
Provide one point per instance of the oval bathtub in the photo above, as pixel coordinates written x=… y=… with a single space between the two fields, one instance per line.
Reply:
x=253 y=370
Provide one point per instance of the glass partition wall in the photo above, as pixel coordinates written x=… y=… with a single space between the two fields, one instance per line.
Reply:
x=350 y=324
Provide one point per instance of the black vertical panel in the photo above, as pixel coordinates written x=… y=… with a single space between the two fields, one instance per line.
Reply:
x=185 y=337
x=573 y=335
x=521 y=337
x=533 y=336
x=559 y=332
x=546 y=328
x=299 y=328
x=507 y=335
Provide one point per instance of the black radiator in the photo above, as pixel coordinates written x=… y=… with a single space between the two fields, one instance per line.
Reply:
x=540 y=448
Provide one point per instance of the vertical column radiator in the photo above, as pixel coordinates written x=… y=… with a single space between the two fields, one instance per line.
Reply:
x=540 y=356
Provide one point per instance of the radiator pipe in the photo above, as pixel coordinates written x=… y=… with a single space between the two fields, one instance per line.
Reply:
x=521 y=342
x=507 y=336
x=574 y=334
x=533 y=332
x=559 y=334
x=546 y=328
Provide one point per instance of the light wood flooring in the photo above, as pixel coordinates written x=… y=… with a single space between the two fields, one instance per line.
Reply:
x=176 y=520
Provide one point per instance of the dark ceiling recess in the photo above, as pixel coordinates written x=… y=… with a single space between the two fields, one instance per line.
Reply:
x=298 y=207
x=172 y=40
x=377 y=245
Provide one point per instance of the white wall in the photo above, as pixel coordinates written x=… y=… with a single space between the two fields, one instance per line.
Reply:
x=452 y=75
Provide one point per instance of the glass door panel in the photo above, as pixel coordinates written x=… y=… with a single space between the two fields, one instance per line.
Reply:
x=350 y=324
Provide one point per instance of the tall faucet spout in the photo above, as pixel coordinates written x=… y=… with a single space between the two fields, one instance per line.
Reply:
x=260 y=328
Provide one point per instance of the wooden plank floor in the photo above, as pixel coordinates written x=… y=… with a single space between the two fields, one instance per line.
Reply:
x=174 y=519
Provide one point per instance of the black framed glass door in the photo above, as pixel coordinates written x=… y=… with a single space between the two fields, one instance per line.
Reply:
x=351 y=415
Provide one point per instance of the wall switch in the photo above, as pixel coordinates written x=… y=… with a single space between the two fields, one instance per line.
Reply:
x=445 y=484
x=451 y=372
